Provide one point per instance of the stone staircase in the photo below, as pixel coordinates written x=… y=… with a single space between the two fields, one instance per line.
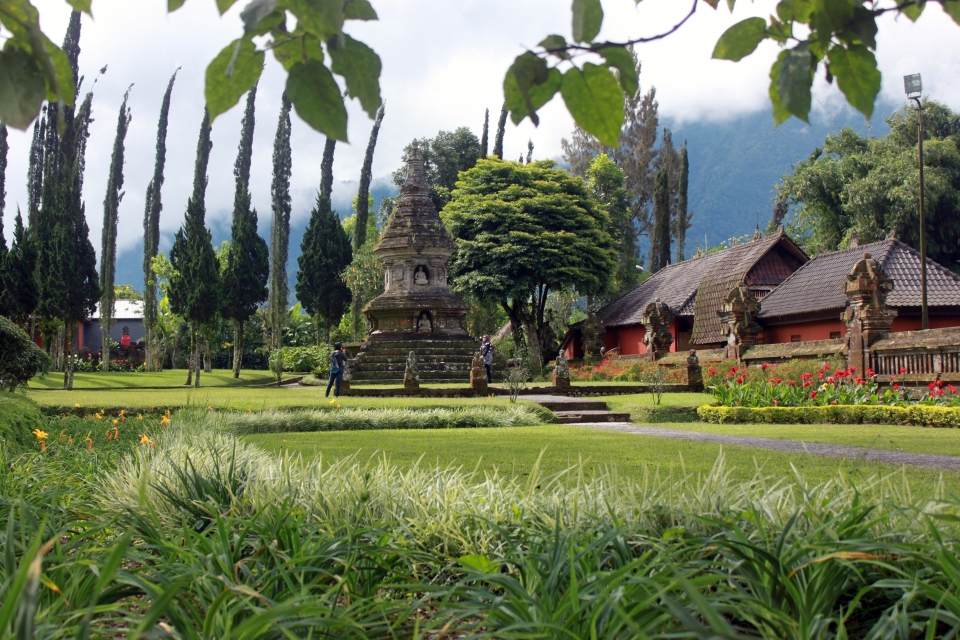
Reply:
x=383 y=362
x=576 y=411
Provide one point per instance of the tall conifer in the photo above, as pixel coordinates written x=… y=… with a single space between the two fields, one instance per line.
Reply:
x=280 y=229
x=248 y=267
x=660 y=236
x=111 y=210
x=35 y=169
x=682 y=216
x=529 y=150
x=195 y=288
x=151 y=231
x=501 y=129
x=366 y=176
x=326 y=254
x=4 y=147
x=20 y=292
x=485 y=138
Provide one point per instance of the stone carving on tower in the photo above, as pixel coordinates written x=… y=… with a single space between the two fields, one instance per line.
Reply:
x=415 y=248
x=657 y=320
x=867 y=315
x=739 y=317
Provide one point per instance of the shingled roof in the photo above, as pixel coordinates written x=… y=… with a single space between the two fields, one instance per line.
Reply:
x=734 y=265
x=677 y=284
x=818 y=285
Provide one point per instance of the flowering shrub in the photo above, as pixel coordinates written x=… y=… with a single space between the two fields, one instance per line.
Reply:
x=622 y=370
x=739 y=387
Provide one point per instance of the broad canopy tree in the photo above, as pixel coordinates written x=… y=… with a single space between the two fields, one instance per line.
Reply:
x=525 y=231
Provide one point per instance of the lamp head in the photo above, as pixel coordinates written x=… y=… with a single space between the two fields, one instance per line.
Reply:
x=912 y=85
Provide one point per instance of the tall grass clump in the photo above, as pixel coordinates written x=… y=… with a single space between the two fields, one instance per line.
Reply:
x=366 y=419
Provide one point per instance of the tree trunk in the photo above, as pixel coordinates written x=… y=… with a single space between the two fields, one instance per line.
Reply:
x=193 y=353
x=237 y=347
x=533 y=346
x=68 y=360
x=147 y=349
x=516 y=327
x=207 y=362
x=105 y=345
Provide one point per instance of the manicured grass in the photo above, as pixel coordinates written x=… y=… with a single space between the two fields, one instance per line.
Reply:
x=238 y=398
x=893 y=437
x=168 y=378
x=516 y=450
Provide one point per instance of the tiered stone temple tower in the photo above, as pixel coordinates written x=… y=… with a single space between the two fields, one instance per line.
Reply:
x=416 y=311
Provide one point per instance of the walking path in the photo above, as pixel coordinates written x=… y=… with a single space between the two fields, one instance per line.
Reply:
x=867 y=454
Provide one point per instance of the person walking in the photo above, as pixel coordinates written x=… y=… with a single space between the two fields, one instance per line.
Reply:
x=486 y=352
x=338 y=361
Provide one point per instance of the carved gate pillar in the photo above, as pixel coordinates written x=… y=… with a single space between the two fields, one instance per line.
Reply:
x=867 y=315
x=657 y=320
x=739 y=318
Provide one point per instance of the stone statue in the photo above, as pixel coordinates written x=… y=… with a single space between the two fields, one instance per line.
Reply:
x=423 y=322
x=561 y=374
x=347 y=376
x=694 y=372
x=411 y=378
x=478 y=375
x=420 y=276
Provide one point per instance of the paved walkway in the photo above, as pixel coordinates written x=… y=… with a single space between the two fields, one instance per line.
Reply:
x=928 y=460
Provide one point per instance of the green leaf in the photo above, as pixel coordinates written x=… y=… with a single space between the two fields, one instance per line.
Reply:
x=952 y=8
x=862 y=29
x=587 y=18
x=316 y=96
x=81 y=5
x=741 y=39
x=795 y=10
x=794 y=81
x=359 y=10
x=360 y=67
x=298 y=48
x=712 y=3
x=780 y=113
x=595 y=101
x=621 y=59
x=231 y=74
x=22 y=89
x=913 y=10
x=529 y=85
x=855 y=69
x=556 y=42
x=224 y=5
x=255 y=12
x=322 y=18
x=173 y=5
x=480 y=564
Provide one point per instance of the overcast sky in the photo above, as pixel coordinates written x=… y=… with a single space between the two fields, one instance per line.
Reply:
x=443 y=64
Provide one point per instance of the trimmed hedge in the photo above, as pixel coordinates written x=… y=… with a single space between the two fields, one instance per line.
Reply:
x=18 y=418
x=920 y=415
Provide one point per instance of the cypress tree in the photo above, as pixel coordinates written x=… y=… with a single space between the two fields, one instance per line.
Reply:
x=501 y=128
x=682 y=216
x=20 y=292
x=529 y=150
x=326 y=253
x=247 y=268
x=4 y=147
x=660 y=235
x=485 y=138
x=195 y=288
x=280 y=229
x=326 y=174
x=366 y=175
x=111 y=210
x=151 y=231
x=35 y=169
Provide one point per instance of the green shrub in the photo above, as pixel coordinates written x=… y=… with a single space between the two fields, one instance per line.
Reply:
x=20 y=358
x=371 y=419
x=307 y=359
x=921 y=415
x=18 y=418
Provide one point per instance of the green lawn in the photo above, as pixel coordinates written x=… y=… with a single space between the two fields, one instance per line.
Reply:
x=515 y=450
x=878 y=436
x=169 y=378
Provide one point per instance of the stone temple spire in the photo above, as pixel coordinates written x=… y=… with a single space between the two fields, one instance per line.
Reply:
x=416 y=171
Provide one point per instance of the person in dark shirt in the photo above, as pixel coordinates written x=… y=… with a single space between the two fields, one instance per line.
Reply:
x=338 y=360
x=486 y=352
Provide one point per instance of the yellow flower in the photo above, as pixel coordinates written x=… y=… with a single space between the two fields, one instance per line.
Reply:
x=144 y=439
x=41 y=435
x=164 y=420
x=122 y=412
x=139 y=416
x=209 y=408
x=89 y=442
x=333 y=401
x=115 y=422
x=338 y=405
x=77 y=406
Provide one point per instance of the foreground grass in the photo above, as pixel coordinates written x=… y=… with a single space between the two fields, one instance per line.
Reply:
x=514 y=451
x=168 y=378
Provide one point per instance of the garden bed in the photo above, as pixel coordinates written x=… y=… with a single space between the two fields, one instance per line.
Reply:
x=919 y=415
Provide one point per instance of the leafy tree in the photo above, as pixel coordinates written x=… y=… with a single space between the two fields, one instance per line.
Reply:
x=280 y=228
x=444 y=156
x=682 y=216
x=501 y=130
x=126 y=292
x=151 y=229
x=20 y=358
x=606 y=182
x=660 y=235
x=195 y=286
x=20 y=291
x=523 y=232
x=326 y=253
x=485 y=137
x=247 y=262
x=869 y=187
x=111 y=211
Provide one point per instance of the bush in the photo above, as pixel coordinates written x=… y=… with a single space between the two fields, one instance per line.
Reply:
x=623 y=370
x=920 y=415
x=307 y=359
x=20 y=359
x=717 y=373
x=18 y=418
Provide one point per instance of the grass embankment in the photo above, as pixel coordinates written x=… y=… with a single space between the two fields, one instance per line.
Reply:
x=168 y=378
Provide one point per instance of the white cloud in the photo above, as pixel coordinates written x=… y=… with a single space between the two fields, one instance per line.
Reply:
x=443 y=64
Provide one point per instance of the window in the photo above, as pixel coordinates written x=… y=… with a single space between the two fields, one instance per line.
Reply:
x=834 y=335
x=795 y=338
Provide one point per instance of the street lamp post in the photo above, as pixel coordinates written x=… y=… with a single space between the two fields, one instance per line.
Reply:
x=913 y=87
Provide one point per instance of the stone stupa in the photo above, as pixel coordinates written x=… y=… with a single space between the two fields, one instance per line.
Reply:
x=416 y=311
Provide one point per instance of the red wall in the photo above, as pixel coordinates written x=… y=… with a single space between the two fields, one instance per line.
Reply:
x=821 y=329
x=630 y=339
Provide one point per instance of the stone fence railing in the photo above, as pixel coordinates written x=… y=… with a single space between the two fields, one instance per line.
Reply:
x=917 y=355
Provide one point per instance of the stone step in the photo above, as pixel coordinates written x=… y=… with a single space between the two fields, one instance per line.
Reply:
x=423 y=353
x=575 y=417
x=433 y=357
x=435 y=368
x=416 y=345
x=453 y=376
x=574 y=405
